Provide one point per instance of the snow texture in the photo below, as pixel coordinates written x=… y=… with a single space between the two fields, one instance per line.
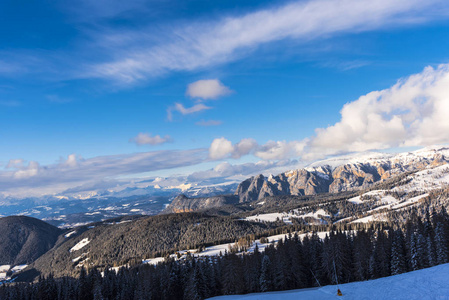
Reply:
x=69 y=234
x=80 y=245
x=423 y=284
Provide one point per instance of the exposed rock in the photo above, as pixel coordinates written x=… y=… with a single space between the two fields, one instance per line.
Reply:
x=348 y=176
x=249 y=189
x=184 y=204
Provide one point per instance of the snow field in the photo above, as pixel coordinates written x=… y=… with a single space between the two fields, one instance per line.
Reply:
x=215 y=250
x=423 y=284
x=80 y=245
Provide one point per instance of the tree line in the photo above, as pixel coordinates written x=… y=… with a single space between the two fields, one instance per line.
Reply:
x=378 y=250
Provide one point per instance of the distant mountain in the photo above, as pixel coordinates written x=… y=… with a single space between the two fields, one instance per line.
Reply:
x=74 y=209
x=182 y=203
x=335 y=175
x=340 y=174
x=24 y=239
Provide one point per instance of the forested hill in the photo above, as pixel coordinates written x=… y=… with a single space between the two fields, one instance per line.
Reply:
x=341 y=257
x=128 y=242
x=24 y=239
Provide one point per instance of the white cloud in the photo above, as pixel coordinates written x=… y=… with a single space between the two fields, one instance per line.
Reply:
x=203 y=44
x=37 y=179
x=148 y=139
x=209 y=123
x=413 y=112
x=72 y=160
x=220 y=148
x=185 y=110
x=30 y=171
x=280 y=150
x=207 y=89
x=15 y=163
x=244 y=147
x=226 y=170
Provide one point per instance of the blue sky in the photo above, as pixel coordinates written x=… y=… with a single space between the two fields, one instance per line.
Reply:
x=100 y=90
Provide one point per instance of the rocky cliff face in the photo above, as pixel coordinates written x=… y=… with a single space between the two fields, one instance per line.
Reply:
x=184 y=204
x=324 y=178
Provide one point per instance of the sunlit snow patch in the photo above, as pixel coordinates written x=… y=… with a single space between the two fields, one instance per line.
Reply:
x=80 y=245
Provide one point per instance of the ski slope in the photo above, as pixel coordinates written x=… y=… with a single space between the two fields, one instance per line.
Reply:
x=431 y=283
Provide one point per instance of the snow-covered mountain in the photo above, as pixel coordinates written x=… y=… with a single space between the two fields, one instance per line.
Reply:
x=89 y=204
x=341 y=174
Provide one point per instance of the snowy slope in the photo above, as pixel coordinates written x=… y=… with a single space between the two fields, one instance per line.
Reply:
x=431 y=283
x=378 y=157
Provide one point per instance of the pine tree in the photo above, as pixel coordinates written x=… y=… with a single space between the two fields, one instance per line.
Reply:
x=265 y=281
x=441 y=244
x=398 y=263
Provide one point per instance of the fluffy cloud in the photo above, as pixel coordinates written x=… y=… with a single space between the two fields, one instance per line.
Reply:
x=280 y=150
x=178 y=107
x=72 y=161
x=148 y=139
x=26 y=172
x=229 y=171
x=413 y=112
x=207 y=89
x=222 y=148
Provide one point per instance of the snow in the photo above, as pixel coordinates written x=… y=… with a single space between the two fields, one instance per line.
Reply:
x=271 y=217
x=80 y=245
x=423 y=284
x=317 y=215
x=19 y=268
x=153 y=261
x=372 y=218
x=76 y=259
x=215 y=250
x=69 y=234
x=4 y=268
x=286 y=217
x=409 y=201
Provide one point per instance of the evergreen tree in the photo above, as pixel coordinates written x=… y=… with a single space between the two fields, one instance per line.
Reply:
x=265 y=282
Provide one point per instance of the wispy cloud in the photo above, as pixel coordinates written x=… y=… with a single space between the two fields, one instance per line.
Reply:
x=127 y=55
x=203 y=44
x=209 y=123
x=148 y=139
x=40 y=179
x=10 y=103
x=178 y=107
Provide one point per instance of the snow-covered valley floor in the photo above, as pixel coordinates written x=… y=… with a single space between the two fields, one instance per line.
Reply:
x=431 y=283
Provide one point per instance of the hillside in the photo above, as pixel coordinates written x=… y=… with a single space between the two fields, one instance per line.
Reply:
x=24 y=239
x=130 y=241
x=423 y=284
